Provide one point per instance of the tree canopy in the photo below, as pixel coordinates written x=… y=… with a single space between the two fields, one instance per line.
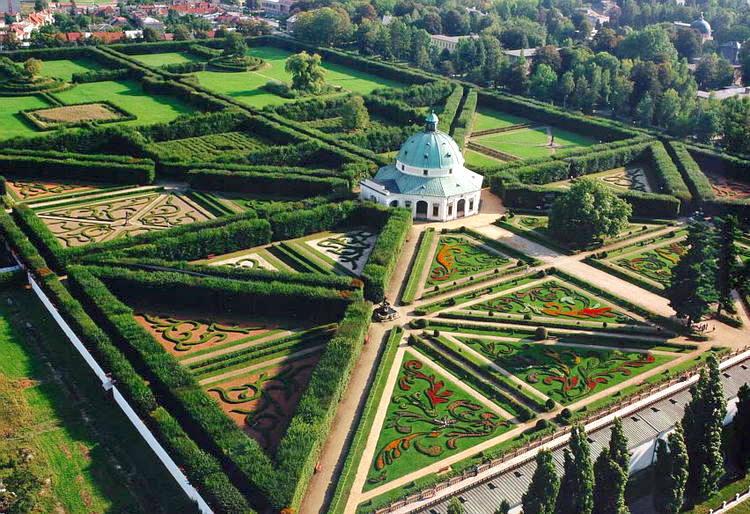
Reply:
x=589 y=210
x=307 y=72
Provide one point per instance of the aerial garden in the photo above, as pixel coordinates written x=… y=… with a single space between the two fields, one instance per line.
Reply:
x=190 y=210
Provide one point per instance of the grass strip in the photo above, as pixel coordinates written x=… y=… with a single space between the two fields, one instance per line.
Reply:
x=415 y=273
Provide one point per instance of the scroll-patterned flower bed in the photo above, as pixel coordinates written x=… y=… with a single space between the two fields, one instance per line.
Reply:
x=458 y=257
x=655 y=264
x=263 y=401
x=94 y=220
x=428 y=418
x=552 y=299
x=29 y=190
x=186 y=337
x=564 y=373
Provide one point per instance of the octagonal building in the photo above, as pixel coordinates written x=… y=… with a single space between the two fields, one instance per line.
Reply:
x=428 y=177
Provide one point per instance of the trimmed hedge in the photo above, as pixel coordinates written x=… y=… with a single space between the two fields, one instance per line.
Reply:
x=69 y=166
x=450 y=109
x=695 y=179
x=463 y=125
x=102 y=75
x=237 y=273
x=278 y=183
x=252 y=469
x=382 y=262
x=198 y=244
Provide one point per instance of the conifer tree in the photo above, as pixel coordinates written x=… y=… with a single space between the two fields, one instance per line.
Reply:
x=618 y=446
x=576 y=494
x=670 y=473
x=727 y=260
x=455 y=506
x=740 y=447
x=609 y=488
x=703 y=422
x=542 y=493
x=693 y=286
x=504 y=507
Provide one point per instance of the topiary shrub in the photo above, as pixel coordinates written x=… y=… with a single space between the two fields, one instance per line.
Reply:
x=549 y=404
x=541 y=333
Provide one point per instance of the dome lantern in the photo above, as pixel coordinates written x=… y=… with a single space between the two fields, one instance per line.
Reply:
x=431 y=122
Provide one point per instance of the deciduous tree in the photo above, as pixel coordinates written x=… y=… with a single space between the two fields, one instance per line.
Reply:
x=587 y=211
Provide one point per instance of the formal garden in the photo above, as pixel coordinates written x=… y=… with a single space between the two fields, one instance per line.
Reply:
x=190 y=208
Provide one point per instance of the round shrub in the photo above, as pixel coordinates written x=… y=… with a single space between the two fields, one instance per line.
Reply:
x=541 y=333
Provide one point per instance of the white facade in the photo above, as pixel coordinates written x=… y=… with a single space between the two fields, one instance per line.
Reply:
x=424 y=207
x=428 y=177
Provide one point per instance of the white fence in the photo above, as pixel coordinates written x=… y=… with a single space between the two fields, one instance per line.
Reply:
x=107 y=384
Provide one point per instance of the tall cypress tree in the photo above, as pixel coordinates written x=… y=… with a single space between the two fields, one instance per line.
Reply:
x=542 y=493
x=703 y=422
x=671 y=473
x=618 y=446
x=609 y=489
x=576 y=494
x=741 y=430
x=693 y=286
x=727 y=259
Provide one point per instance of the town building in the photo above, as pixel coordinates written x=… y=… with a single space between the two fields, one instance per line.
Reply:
x=428 y=177
x=10 y=6
x=277 y=7
x=448 y=43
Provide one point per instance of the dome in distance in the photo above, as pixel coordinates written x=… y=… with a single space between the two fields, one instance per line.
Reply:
x=430 y=149
x=702 y=26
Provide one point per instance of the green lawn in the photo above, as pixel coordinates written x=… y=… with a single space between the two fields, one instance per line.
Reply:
x=13 y=124
x=429 y=418
x=82 y=478
x=565 y=374
x=486 y=119
x=128 y=94
x=533 y=142
x=65 y=68
x=246 y=86
x=165 y=58
x=476 y=159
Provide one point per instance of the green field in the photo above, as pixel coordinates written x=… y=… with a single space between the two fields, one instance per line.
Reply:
x=246 y=86
x=65 y=68
x=164 y=58
x=476 y=159
x=13 y=124
x=83 y=479
x=533 y=142
x=486 y=119
x=127 y=94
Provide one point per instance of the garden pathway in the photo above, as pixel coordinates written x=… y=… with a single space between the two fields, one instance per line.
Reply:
x=345 y=423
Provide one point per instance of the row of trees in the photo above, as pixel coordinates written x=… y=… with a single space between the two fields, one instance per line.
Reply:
x=709 y=270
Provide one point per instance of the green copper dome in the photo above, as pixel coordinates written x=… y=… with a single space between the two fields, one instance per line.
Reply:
x=430 y=149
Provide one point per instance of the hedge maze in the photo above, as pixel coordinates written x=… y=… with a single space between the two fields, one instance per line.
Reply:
x=201 y=234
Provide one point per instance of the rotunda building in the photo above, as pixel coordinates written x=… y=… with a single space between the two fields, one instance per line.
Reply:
x=428 y=177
